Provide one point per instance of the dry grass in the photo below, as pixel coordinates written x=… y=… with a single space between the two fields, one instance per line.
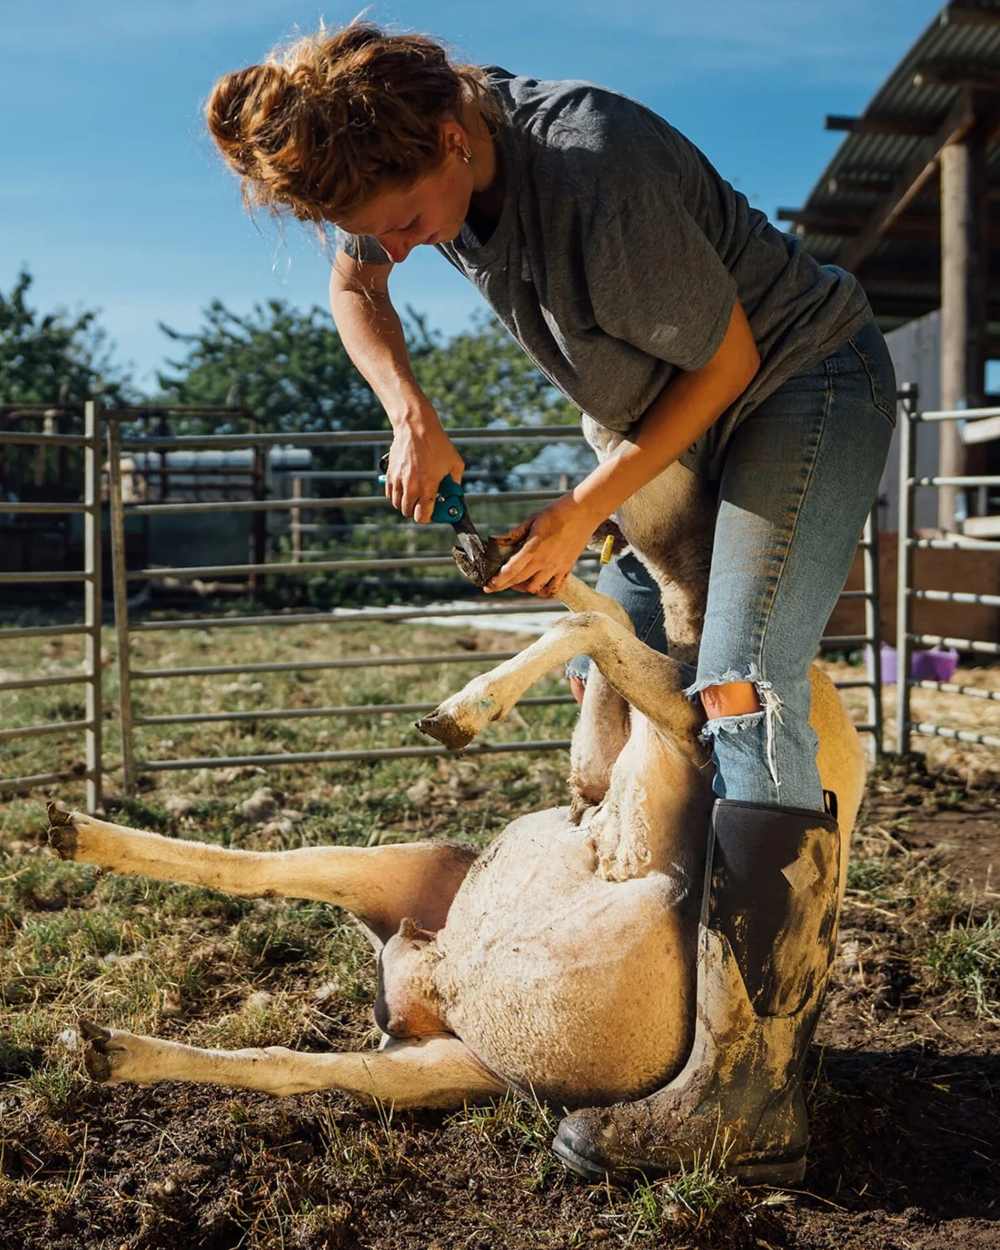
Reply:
x=82 y=1165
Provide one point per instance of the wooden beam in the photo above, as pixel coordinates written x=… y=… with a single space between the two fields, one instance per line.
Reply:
x=849 y=225
x=884 y=124
x=911 y=182
x=964 y=265
x=916 y=228
x=971 y=75
x=865 y=181
x=966 y=14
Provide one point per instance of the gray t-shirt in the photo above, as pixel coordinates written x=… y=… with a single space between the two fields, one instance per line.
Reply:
x=619 y=252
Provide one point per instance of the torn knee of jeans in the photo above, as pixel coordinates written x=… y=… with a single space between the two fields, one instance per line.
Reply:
x=770 y=710
x=752 y=674
x=730 y=724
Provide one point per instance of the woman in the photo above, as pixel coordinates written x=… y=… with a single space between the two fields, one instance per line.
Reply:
x=649 y=291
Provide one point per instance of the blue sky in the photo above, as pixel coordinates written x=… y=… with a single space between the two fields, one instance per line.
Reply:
x=113 y=196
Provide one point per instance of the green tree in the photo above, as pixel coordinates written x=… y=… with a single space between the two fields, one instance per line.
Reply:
x=58 y=359
x=287 y=368
x=291 y=371
x=55 y=358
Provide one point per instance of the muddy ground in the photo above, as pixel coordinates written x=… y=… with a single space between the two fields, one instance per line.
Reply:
x=904 y=1081
x=904 y=1075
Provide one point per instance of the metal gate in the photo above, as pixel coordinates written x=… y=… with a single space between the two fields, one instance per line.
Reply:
x=912 y=418
x=131 y=719
x=90 y=578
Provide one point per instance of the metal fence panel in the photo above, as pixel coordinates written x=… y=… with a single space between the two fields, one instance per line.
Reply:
x=129 y=720
x=90 y=576
x=97 y=423
x=906 y=592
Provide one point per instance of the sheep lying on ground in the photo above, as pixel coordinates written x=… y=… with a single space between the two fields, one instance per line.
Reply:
x=562 y=959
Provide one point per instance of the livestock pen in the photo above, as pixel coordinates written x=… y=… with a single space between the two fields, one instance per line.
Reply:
x=902 y=1075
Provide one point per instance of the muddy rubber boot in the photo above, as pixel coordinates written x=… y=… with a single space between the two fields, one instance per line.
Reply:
x=765 y=945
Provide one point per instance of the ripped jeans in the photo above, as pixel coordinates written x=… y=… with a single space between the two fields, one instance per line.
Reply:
x=800 y=477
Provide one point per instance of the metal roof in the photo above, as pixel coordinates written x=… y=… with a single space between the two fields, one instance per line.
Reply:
x=956 y=58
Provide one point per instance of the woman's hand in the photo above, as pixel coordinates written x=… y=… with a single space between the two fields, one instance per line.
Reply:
x=420 y=457
x=555 y=538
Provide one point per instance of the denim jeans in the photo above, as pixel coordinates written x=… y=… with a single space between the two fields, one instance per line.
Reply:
x=800 y=476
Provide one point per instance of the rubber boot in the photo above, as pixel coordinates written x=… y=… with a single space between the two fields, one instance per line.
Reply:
x=765 y=945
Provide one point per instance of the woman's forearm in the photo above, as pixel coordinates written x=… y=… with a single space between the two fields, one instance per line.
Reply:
x=681 y=413
x=684 y=410
x=372 y=335
x=422 y=454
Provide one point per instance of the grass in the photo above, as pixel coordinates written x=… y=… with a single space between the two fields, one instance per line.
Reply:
x=210 y=969
x=966 y=959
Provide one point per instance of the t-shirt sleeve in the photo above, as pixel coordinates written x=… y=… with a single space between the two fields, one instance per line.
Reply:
x=362 y=247
x=654 y=278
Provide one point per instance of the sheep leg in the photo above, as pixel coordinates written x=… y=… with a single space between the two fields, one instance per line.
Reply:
x=437 y=1071
x=380 y=884
x=652 y=683
x=579 y=597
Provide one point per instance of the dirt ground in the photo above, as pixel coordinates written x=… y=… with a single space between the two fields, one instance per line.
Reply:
x=903 y=1077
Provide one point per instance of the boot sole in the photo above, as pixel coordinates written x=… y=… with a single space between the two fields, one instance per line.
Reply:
x=775 y=1172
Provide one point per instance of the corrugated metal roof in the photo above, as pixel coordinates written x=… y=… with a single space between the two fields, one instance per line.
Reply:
x=953 y=45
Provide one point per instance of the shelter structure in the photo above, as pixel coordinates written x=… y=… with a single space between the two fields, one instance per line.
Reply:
x=909 y=203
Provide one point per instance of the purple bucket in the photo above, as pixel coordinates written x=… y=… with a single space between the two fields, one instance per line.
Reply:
x=935 y=665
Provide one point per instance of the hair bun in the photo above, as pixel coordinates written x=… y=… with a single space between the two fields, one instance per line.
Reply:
x=236 y=107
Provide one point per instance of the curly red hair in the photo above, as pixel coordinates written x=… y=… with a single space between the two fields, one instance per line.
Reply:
x=332 y=119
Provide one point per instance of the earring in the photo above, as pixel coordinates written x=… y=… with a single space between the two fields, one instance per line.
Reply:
x=466 y=155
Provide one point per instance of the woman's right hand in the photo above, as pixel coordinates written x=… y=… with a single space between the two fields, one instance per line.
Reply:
x=420 y=457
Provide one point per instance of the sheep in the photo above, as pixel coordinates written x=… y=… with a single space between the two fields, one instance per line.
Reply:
x=560 y=962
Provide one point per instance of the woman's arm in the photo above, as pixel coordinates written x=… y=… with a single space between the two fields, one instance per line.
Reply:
x=372 y=334
x=684 y=410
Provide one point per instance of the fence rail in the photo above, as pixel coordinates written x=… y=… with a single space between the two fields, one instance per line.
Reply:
x=907 y=593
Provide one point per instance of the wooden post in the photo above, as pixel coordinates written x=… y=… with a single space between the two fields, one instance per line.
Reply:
x=964 y=256
x=258 y=522
x=163 y=431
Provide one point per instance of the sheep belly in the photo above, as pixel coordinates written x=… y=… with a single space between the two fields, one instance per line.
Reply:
x=561 y=982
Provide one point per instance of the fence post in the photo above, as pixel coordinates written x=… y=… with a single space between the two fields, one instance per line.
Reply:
x=873 y=628
x=904 y=568
x=296 y=520
x=119 y=573
x=92 y=603
x=258 y=521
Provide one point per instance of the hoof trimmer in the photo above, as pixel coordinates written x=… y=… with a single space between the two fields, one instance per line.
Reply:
x=478 y=558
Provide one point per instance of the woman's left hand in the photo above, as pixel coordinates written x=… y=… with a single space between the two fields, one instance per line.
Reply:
x=554 y=539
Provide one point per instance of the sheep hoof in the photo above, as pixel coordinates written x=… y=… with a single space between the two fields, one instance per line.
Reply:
x=443 y=727
x=61 y=833
x=96 y=1058
x=478 y=566
x=93 y=1032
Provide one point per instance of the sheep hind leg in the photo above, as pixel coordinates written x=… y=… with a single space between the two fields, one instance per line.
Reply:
x=379 y=885
x=437 y=1071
